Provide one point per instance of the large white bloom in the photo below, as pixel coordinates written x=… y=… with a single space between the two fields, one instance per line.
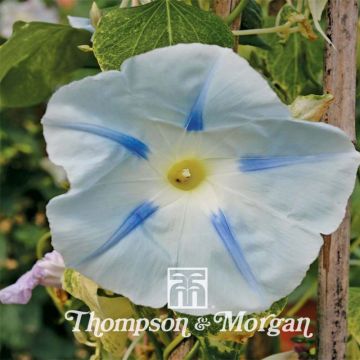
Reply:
x=186 y=158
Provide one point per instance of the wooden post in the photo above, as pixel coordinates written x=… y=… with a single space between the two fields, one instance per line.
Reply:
x=223 y=8
x=339 y=80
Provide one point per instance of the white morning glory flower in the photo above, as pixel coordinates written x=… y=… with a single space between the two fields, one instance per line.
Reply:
x=187 y=158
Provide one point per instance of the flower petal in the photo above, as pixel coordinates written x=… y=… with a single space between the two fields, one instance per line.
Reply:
x=303 y=171
x=93 y=119
x=136 y=218
x=53 y=268
x=195 y=120
x=136 y=267
x=209 y=96
x=276 y=253
x=46 y=271
x=116 y=102
x=21 y=291
x=116 y=227
x=78 y=22
x=234 y=249
x=130 y=143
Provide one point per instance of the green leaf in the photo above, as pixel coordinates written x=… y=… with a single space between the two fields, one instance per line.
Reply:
x=217 y=350
x=104 y=307
x=310 y=107
x=254 y=40
x=295 y=66
x=251 y=18
x=354 y=313
x=125 y=32
x=36 y=59
x=352 y=350
x=316 y=8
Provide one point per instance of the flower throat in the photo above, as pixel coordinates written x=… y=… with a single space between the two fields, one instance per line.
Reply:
x=187 y=174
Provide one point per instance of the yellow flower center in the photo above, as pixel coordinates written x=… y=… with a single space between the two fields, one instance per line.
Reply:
x=187 y=174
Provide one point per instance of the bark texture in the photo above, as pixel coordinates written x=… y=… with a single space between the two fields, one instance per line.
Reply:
x=223 y=8
x=339 y=80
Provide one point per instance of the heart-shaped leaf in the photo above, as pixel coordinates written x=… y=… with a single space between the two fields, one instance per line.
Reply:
x=36 y=59
x=125 y=32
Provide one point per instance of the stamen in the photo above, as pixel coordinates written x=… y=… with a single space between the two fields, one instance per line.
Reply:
x=187 y=174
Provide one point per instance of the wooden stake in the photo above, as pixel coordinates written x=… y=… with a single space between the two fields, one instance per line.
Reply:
x=223 y=8
x=339 y=80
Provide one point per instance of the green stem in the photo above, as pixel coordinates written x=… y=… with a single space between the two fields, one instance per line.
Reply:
x=132 y=346
x=308 y=293
x=157 y=346
x=299 y=6
x=190 y=355
x=125 y=3
x=41 y=244
x=294 y=29
x=236 y=12
x=281 y=28
x=170 y=348
x=164 y=337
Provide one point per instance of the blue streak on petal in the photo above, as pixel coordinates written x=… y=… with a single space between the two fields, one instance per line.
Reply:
x=131 y=143
x=259 y=163
x=133 y=220
x=195 y=122
x=227 y=236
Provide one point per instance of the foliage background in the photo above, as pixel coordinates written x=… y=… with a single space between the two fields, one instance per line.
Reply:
x=34 y=331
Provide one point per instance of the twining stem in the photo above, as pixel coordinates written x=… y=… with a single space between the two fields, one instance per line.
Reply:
x=190 y=355
x=299 y=6
x=157 y=346
x=155 y=342
x=132 y=346
x=41 y=245
x=285 y=28
x=236 y=12
x=174 y=344
x=164 y=337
